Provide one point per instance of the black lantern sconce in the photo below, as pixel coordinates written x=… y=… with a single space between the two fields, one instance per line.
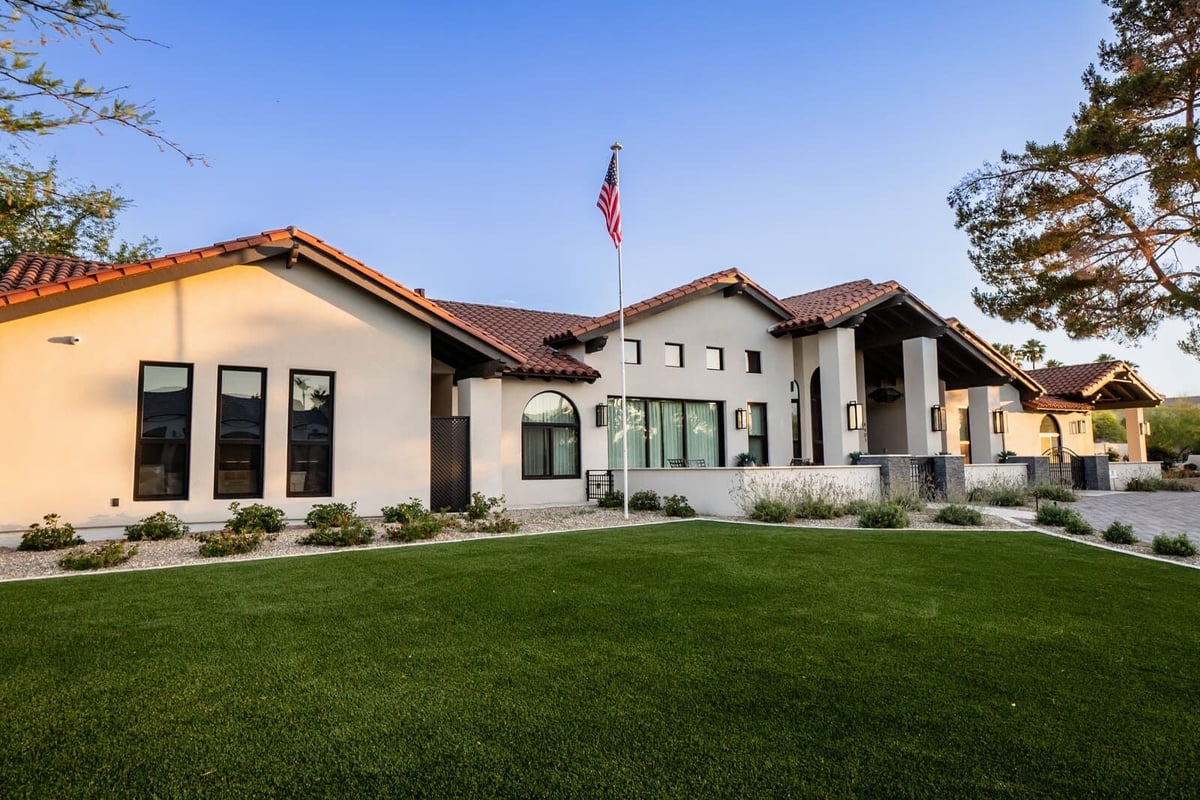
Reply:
x=601 y=415
x=999 y=421
x=937 y=418
x=855 y=420
x=741 y=419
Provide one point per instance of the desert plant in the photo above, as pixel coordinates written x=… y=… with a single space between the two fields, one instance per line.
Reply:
x=352 y=531
x=108 y=554
x=423 y=526
x=1004 y=455
x=645 y=500
x=403 y=513
x=1119 y=533
x=229 y=542
x=852 y=508
x=1050 y=491
x=959 y=515
x=906 y=500
x=1140 y=484
x=819 y=507
x=254 y=517
x=883 y=515
x=614 y=498
x=155 y=527
x=481 y=507
x=1166 y=545
x=745 y=459
x=678 y=506
x=772 y=510
x=1055 y=514
x=1078 y=526
x=49 y=534
x=331 y=515
x=493 y=517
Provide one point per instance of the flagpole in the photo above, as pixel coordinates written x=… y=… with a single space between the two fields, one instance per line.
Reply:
x=616 y=148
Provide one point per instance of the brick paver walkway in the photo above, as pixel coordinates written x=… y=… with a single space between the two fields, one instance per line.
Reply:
x=1150 y=513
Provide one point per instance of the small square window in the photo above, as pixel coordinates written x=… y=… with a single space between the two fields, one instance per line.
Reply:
x=714 y=358
x=633 y=351
x=673 y=355
x=753 y=361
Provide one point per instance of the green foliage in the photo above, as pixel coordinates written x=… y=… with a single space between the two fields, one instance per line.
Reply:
x=1167 y=545
x=612 y=499
x=351 y=532
x=1078 y=526
x=819 y=507
x=883 y=515
x=155 y=527
x=1106 y=427
x=1050 y=491
x=677 y=505
x=403 y=513
x=229 y=542
x=1140 y=484
x=851 y=509
x=49 y=535
x=255 y=517
x=108 y=554
x=1174 y=429
x=767 y=509
x=1004 y=455
x=907 y=501
x=645 y=500
x=491 y=515
x=418 y=528
x=958 y=515
x=331 y=515
x=1057 y=515
x=1119 y=533
x=1032 y=351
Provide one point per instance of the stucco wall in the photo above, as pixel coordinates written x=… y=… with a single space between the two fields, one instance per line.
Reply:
x=71 y=409
x=1120 y=472
x=992 y=475
x=716 y=491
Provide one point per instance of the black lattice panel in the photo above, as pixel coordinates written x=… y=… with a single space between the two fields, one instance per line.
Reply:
x=449 y=463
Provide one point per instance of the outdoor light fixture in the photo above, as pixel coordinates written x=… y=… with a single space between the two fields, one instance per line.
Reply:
x=999 y=421
x=1144 y=428
x=854 y=416
x=937 y=418
x=601 y=415
x=741 y=419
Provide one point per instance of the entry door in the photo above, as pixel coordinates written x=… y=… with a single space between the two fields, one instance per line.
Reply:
x=449 y=463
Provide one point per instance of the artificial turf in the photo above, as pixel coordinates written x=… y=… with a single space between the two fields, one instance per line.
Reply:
x=682 y=660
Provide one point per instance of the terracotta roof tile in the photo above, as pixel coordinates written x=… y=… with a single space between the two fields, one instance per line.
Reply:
x=1051 y=402
x=824 y=305
x=525 y=331
x=1077 y=379
x=30 y=269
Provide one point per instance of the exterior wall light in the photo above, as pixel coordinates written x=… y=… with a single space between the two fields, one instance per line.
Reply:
x=601 y=415
x=1144 y=428
x=741 y=419
x=854 y=416
x=937 y=418
x=999 y=421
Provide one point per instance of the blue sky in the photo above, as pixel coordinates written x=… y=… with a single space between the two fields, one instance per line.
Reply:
x=459 y=147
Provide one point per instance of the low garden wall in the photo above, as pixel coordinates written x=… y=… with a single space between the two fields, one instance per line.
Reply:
x=981 y=476
x=1120 y=472
x=715 y=491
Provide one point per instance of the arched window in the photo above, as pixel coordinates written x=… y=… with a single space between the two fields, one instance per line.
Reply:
x=549 y=438
x=1050 y=435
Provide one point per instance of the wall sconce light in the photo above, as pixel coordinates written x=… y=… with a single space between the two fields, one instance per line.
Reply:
x=854 y=416
x=601 y=415
x=1144 y=428
x=999 y=421
x=741 y=419
x=937 y=418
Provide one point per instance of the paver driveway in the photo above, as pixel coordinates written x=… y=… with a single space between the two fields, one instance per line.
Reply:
x=1150 y=513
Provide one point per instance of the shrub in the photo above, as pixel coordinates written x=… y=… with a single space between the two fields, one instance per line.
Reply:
x=1078 y=526
x=425 y=526
x=229 y=542
x=492 y=517
x=156 y=527
x=1171 y=485
x=106 y=555
x=852 y=508
x=819 y=508
x=801 y=495
x=254 y=517
x=883 y=515
x=1167 y=545
x=678 y=506
x=959 y=515
x=645 y=500
x=612 y=499
x=331 y=515
x=1049 y=491
x=1008 y=497
x=49 y=535
x=1056 y=515
x=403 y=513
x=770 y=510
x=906 y=501
x=337 y=525
x=1140 y=484
x=1119 y=533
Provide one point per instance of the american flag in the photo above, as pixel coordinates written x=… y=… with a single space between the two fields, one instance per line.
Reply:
x=610 y=202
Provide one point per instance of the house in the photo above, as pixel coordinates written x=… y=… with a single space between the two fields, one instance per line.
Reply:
x=276 y=367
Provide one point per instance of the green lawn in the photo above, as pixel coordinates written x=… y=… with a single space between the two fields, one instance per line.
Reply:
x=666 y=661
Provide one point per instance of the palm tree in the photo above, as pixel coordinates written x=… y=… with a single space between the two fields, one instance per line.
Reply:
x=1006 y=350
x=1105 y=357
x=1053 y=362
x=1032 y=351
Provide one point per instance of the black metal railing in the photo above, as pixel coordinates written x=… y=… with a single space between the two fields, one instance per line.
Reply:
x=599 y=483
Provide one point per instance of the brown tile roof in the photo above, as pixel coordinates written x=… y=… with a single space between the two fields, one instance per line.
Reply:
x=525 y=331
x=1077 y=379
x=825 y=305
x=1051 y=402
x=33 y=269
x=727 y=277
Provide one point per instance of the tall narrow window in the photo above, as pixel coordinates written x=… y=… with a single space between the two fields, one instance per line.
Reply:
x=241 y=421
x=164 y=432
x=549 y=438
x=310 y=435
x=758 y=433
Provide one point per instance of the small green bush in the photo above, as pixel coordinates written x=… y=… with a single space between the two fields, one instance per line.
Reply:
x=49 y=535
x=1078 y=526
x=1056 y=515
x=1140 y=484
x=254 y=517
x=1049 y=491
x=481 y=507
x=959 y=515
x=494 y=518
x=883 y=515
x=331 y=515
x=1186 y=485
x=1166 y=545
x=156 y=527
x=229 y=542
x=819 y=507
x=352 y=531
x=767 y=509
x=403 y=513
x=424 y=526
x=645 y=500
x=1007 y=497
x=612 y=499
x=1119 y=533
x=678 y=506
x=852 y=508
x=906 y=501
x=106 y=555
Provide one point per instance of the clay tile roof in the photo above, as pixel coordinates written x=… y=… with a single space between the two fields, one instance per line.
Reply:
x=727 y=277
x=1077 y=379
x=30 y=269
x=525 y=331
x=1050 y=402
x=824 y=305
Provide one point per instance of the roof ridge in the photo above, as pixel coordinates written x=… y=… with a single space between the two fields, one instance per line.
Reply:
x=512 y=308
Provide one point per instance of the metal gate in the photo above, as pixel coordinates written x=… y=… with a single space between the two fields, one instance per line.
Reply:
x=921 y=479
x=1066 y=468
x=449 y=463
x=599 y=483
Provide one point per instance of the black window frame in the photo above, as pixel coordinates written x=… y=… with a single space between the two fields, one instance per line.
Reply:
x=666 y=349
x=547 y=430
x=292 y=373
x=720 y=351
x=684 y=400
x=754 y=362
x=637 y=345
x=140 y=441
x=761 y=437
x=262 y=442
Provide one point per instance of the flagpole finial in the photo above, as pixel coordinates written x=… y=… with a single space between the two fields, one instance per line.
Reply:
x=616 y=146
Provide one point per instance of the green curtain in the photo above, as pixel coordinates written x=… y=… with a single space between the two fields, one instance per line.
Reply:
x=702 y=432
x=637 y=433
x=565 y=450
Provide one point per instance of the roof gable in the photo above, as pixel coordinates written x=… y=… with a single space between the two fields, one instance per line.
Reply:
x=1099 y=384
x=824 y=306
x=34 y=269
